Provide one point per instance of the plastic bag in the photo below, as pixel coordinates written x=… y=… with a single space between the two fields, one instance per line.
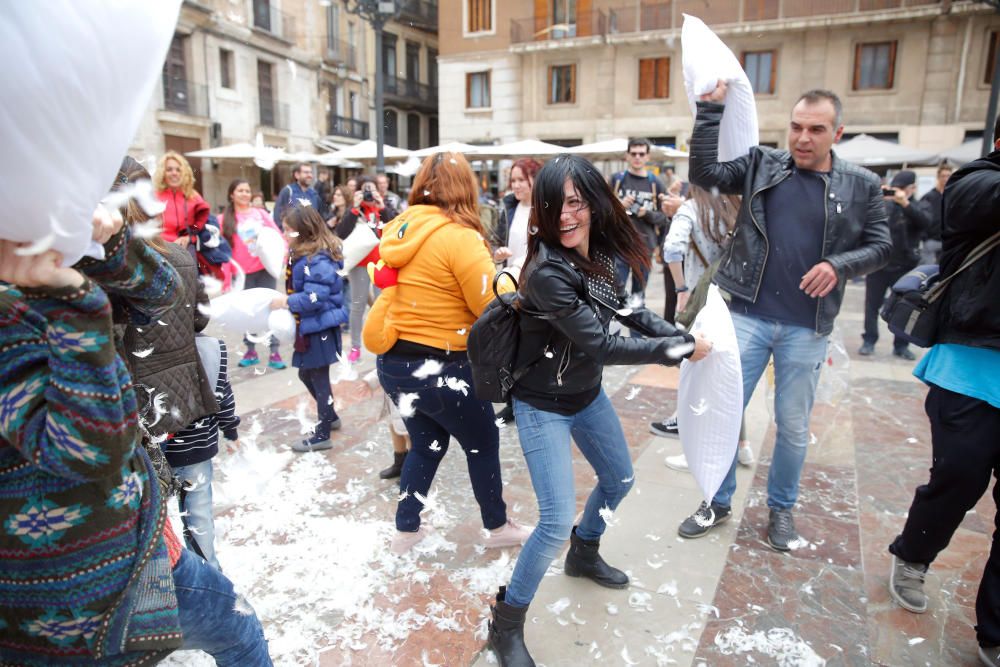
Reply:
x=706 y=59
x=78 y=80
x=835 y=378
x=710 y=398
x=247 y=310
x=270 y=248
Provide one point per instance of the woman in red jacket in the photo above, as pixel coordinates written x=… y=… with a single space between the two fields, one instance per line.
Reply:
x=186 y=211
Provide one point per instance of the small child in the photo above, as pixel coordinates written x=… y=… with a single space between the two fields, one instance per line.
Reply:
x=316 y=298
x=190 y=452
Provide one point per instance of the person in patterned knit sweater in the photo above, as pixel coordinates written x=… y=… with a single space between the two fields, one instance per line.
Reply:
x=90 y=571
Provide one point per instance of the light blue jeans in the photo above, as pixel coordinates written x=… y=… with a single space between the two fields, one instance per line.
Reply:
x=545 y=440
x=798 y=358
x=195 y=501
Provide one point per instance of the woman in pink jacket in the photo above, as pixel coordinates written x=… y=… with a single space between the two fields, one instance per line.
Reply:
x=241 y=224
x=186 y=212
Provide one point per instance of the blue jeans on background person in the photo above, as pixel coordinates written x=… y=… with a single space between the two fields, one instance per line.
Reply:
x=214 y=618
x=195 y=501
x=545 y=440
x=438 y=414
x=798 y=358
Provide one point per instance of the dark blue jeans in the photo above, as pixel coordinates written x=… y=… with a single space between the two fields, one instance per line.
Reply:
x=214 y=618
x=317 y=381
x=438 y=414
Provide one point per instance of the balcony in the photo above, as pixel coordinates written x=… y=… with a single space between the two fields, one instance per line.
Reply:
x=541 y=29
x=186 y=97
x=274 y=115
x=342 y=54
x=346 y=127
x=409 y=94
x=422 y=14
x=274 y=22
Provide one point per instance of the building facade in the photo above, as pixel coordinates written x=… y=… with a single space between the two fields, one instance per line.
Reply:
x=576 y=71
x=300 y=73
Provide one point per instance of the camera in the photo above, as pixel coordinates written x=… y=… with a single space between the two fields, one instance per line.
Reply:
x=634 y=208
x=888 y=192
x=368 y=194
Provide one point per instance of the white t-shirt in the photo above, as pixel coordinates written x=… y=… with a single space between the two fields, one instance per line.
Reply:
x=517 y=239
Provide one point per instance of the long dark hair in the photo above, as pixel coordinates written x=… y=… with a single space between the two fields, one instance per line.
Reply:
x=716 y=213
x=611 y=230
x=229 y=215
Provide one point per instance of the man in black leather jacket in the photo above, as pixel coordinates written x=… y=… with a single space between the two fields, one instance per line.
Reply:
x=809 y=222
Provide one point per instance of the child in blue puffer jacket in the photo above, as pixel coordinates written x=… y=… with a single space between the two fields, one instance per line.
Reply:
x=316 y=298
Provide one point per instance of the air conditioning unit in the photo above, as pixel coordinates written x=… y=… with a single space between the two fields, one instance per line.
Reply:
x=215 y=135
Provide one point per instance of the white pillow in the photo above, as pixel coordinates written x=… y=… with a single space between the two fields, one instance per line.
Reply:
x=271 y=250
x=78 y=81
x=357 y=245
x=706 y=59
x=246 y=310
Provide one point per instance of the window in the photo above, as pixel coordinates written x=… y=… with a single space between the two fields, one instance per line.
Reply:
x=389 y=60
x=262 y=14
x=563 y=19
x=562 y=84
x=654 y=78
x=432 y=70
x=265 y=92
x=761 y=68
x=991 y=57
x=175 y=92
x=391 y=136
x=874 y=66
x=333 y=27
x=413 y=131
x=479 y=15
x=227 y=77
x=333 y=95
x=432 y=131
x=477 y=90
x=412 y=61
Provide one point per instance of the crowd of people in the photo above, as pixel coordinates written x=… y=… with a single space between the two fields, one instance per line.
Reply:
x=114 y=399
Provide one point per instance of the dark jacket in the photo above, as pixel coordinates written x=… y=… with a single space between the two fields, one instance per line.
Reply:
x=856 y=236
x=501 y=236
x=907 y=226
x=350 y=218
x=173 y=369
x=932 y=207
x=578 y=338
x=317 y=293
x=970 y=314
x=292 y=196
x=650 y=224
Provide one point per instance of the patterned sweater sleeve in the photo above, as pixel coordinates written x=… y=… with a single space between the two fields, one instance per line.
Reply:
x=67 y=404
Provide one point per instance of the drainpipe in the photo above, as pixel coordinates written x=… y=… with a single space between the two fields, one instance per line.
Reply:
x=962 y=67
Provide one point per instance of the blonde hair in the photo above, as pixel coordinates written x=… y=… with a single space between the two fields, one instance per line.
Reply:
x=187 y=174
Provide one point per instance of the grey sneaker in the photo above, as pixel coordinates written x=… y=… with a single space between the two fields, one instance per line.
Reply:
x=990 y=655
x=781 y=530
x=906 y=585
x=705 y=519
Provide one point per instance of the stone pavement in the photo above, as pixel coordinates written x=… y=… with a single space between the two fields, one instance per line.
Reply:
x=306 y=537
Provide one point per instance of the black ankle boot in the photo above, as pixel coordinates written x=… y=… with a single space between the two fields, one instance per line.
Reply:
x=396 y=469
x=582 y=560
x=506 y=637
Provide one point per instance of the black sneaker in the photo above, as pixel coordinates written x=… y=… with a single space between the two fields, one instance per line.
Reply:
x=666 y=428
x=781 y=530
x=704 y=520
x=866 y=349
x=904 y=353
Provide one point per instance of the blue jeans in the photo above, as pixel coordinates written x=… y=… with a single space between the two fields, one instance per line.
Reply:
x=798 y=358
x=195 y=501
x=214 y=618
x=438 y=414
x=545 y=440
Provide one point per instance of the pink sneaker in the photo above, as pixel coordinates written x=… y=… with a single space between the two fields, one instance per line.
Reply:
x=354 y=355
x=508 y=535
x=403 y=542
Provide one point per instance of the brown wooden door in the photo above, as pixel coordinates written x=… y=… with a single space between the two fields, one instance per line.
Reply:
x=186 y=145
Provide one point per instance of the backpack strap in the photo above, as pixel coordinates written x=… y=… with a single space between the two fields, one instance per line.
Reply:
x=697 y=252
x=976 y=254
x=652 y=184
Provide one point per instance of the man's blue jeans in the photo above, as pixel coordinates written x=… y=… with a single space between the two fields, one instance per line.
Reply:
x=545 y=440
x=195 y=501
x=798 y=357
x=214 y=619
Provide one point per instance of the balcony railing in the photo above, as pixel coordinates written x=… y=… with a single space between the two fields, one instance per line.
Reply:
x=343 y=54
x=540 y=29
x=274 y=115
x=185 y=97
x=410 y=90
x=274 y=21
x=346 y=127
x=420 y=13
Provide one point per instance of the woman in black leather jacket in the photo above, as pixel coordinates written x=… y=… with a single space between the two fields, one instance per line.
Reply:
x=570 y=272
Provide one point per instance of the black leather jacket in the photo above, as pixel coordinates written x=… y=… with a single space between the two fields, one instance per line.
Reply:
x=569 y=353
x=856 y=237
x=906 y=227
x=970 y=314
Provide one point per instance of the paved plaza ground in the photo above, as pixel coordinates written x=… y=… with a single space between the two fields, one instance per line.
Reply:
x=306 y=538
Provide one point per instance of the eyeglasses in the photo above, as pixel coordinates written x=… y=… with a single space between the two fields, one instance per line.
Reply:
x=574 y=205
x=637 y=154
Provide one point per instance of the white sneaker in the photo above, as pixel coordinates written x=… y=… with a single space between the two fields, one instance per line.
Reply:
x=508 y=535
x=678 y=462
x=744 y=454
x=404 y=541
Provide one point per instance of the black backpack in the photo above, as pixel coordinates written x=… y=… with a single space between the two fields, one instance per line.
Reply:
x=493 y=343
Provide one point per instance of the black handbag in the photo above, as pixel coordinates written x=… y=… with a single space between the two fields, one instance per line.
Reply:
x=911 y=311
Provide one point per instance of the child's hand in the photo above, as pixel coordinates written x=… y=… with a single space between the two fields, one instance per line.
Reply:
x=232 y=446
x=279 y=302
x=40 y=270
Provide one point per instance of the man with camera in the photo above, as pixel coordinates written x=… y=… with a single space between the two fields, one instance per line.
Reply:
x=639 y=192
x=908 y=222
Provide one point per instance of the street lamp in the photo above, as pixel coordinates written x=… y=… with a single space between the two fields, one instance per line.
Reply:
x=377 y=13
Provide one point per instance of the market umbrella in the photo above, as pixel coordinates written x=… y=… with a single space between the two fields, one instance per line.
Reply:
x=614 y=149
x=871 y=152
x=516 y=149
x=450 y=147
x=967 y=152
x=364 y=151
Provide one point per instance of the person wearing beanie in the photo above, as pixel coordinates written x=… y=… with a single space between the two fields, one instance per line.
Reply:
x=908 y=222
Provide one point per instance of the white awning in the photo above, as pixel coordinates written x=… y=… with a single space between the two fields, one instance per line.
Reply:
x=871 y=152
